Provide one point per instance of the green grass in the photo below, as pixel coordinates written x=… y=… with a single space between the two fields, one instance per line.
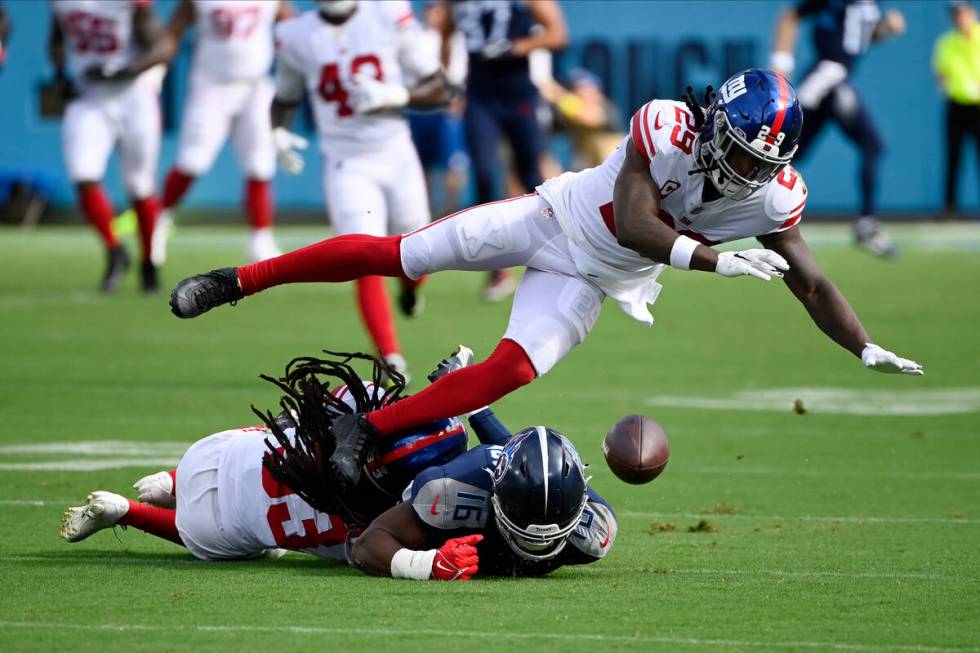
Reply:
x=835 y=530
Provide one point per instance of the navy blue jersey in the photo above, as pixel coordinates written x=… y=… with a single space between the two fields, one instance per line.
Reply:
x=453 y=500
x=489 y=26
x=842 y=29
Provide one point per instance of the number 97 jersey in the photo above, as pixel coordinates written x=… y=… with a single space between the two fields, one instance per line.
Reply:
x=379 y=40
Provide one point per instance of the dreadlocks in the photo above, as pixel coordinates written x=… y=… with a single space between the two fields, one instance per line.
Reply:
x=698 y=112
x=310 y=408
x=696 y=109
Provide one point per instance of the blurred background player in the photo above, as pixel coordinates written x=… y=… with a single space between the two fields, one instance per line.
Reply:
x=956 y=62
x=230 y=93
x=591 y=119
x=500 y=97
x=438 y=135
x=118 y=103
x=4 y=35
x=359 y=63
x=843 y=31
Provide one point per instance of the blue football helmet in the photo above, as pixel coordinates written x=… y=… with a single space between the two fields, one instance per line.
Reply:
x=539 y=492
x=750 y=132
x=407 y=453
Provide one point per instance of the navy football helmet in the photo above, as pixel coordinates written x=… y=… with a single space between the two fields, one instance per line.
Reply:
x=750 y=131
x=539 y=492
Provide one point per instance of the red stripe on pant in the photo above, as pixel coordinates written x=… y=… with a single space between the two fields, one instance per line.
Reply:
x=507 y=369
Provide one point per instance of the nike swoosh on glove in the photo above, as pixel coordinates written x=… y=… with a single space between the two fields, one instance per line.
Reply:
x=288 y=146
x=759 y=263
x=882 y=360
x=457 y=559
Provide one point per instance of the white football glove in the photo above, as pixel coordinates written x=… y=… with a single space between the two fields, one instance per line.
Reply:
x=760 y=263
x=369 y=95
x=288 y=146
x=882 y=360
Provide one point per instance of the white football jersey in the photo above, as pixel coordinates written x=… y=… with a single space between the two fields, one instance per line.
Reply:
x=663 y=133
x=378 y=39
x=234 y=38
x=261 y=513
x=97 y=33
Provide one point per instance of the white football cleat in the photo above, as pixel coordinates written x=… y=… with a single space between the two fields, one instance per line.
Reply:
x=461 y=357
x=101 y=510
x=397 y=362
x=156 y=490
x=263 y=245
x=162 y=231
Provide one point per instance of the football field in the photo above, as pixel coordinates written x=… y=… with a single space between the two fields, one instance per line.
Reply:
x=809 y=504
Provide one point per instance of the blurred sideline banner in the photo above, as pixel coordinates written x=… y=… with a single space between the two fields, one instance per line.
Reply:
x=640 y=48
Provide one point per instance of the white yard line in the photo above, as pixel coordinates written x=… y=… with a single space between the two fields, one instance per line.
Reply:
x=497 y=635
x=850 y=519
x=90 y=465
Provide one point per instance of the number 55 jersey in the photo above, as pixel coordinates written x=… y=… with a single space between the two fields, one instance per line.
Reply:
x=663 y=133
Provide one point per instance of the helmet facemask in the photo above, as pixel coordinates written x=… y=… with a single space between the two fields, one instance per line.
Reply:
x=535 y=542
x=737 y=167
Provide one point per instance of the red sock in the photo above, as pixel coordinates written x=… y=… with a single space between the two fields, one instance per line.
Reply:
x=343 y=258
x=175 y=187
x=98 y=209
x=507 y=369
x=258 y=203
x=147 y=210
x=161 y=522
x=372 y=300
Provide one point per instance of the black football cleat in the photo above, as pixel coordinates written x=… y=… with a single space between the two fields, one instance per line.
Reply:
x=149 y=279
x=116 y=266
x=353 y=437
x=411 y=301
x=202 y=292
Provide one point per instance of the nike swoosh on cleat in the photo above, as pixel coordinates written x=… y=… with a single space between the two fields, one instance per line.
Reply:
x=435 y=502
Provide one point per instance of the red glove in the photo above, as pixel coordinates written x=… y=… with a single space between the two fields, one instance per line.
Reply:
x=457 y=559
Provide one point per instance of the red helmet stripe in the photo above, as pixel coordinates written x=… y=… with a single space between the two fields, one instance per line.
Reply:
x=421 y=443
x=777 y=124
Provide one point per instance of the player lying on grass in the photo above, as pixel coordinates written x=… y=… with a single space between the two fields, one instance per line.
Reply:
x=230 y=497
x=684 y=178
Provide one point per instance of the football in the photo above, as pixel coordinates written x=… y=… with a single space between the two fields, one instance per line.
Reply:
x=636 y=449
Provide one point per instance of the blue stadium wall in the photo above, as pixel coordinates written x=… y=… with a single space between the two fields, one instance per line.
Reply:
x=642 y=49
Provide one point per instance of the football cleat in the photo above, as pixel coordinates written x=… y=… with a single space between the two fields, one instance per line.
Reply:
x=202 y=292
x=149 y=280
x=156 y=490
x=101 y=510
x=869 y=236
x=500 y=285
x=398 y=364
x=460 y=358
x=263 y=245
x=411 y=301
x=354 y=436
x=116 y=266
x=162 y=231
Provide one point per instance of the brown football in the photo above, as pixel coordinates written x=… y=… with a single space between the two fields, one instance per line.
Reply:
x=636 y=449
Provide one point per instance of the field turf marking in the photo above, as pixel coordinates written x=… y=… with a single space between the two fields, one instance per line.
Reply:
x=837 y=401
x=495 y=635
x=851 y=519
x=788 y=573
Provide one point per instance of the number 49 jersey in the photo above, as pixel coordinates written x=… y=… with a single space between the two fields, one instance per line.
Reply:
x=453 y=500
x=380 y=40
